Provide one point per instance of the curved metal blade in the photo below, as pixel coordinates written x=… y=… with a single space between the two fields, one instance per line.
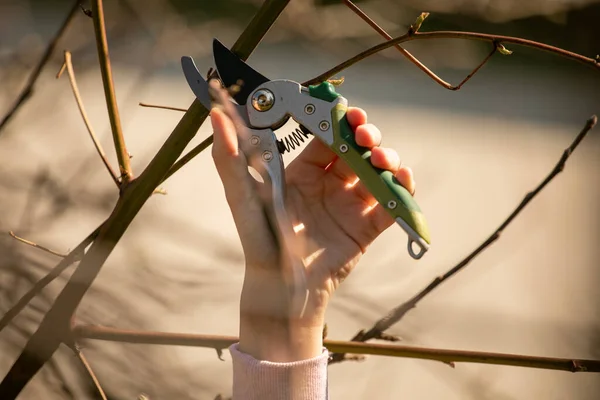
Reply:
x=234 y=71
x=197 y=83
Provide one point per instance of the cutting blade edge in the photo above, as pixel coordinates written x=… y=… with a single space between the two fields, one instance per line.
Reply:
x=196 y=82
x=234 y=71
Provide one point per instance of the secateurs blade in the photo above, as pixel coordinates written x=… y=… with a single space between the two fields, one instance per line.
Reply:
x=265 y=105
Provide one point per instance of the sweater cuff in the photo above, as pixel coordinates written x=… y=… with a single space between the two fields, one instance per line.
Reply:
x=298 y=380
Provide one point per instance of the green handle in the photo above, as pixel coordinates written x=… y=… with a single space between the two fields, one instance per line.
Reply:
x=381 y=183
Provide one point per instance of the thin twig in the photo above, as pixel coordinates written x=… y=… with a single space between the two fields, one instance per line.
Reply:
x=410 y=36
x=35 y=74
x=109 y=92
x=66 y=262
x=90 y=372
x=398 y=313
x=163 y=107
x=37 y=246
x=443 y=355
x=69 y=66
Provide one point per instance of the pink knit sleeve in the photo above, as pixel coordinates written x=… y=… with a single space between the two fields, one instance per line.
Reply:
x=265 y=380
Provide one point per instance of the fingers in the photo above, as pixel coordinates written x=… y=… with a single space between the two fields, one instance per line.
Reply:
x=366 y=135
x=230 y=162
x=318 y=154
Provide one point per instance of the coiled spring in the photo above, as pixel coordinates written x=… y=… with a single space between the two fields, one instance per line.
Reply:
x=293 y=140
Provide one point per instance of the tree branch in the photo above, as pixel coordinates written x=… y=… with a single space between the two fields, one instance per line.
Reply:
x=109 y=92
x=399 y=312
x=28 y=89
x=410 y=36
x=69 y=66
x=55 y=326
x=218 y=342
x=37 y=246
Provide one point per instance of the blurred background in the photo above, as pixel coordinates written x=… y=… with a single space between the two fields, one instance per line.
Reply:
x=475 y=153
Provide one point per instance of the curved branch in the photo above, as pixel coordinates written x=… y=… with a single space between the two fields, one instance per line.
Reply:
x=410 y=36
x=69 y=66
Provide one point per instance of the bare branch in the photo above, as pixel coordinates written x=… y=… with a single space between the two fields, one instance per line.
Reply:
x=443 y=355
x=37 y=246
x=398 y=313
x=163 y=107
x=90 y=372
x=28 y=89
x=66 y=262
x=410 y=36
x=109 y=92
x=69 y=66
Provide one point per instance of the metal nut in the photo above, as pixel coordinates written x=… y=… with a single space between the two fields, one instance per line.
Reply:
x=392 y=204
x=343 y=148
x=263 y=100
x=309 y=109
x=267 y=156
x=324 y=125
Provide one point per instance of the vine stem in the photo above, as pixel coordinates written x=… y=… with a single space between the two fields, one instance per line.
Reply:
x=447 y=356
x=412 y=58
x=410 y=36
x=35 y=74
x=395 y=315
x=109 y=92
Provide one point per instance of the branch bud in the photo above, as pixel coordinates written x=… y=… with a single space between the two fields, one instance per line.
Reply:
x=336 y=82
x=414 y=28
x=503 y=50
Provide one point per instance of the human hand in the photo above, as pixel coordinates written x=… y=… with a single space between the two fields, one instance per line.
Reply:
x=336 y=217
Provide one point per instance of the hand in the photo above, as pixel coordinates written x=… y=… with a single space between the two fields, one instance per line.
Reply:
x=338 y=219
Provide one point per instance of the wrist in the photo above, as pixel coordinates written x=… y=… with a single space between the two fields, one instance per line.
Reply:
x=268 y=329
x=280 y=339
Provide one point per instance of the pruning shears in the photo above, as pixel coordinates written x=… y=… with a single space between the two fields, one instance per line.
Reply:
x=265 y=105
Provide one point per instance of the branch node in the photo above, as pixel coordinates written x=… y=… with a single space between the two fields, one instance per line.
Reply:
x=86 y=11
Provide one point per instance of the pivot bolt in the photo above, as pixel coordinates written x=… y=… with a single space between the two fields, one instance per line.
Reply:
x=309 y=109
x=324 y=125
x=263 y=100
